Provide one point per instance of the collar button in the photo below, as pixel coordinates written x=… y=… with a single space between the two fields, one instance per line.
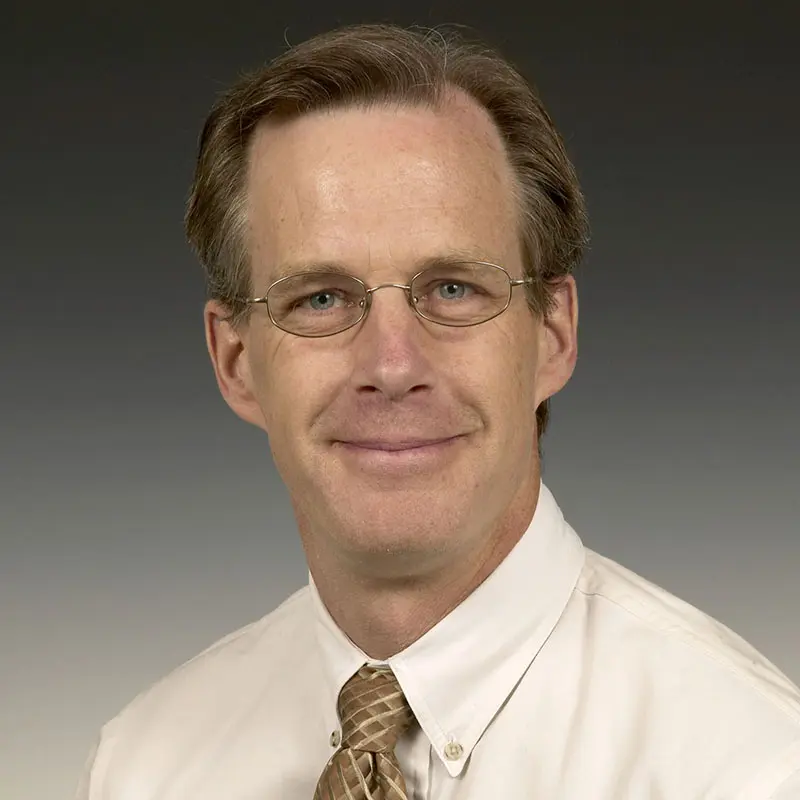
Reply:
x=453 y=751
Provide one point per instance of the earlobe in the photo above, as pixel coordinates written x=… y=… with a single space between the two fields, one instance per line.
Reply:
x=227 y=348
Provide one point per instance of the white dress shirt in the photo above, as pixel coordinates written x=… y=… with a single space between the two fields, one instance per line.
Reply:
x=564 y=676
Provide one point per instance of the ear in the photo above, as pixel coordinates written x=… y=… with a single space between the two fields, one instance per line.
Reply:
x=558 y=342
x=227 y=347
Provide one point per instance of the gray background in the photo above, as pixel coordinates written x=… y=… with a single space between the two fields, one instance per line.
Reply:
x=140 y=520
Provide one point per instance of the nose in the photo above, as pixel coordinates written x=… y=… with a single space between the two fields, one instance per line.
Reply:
x=390 y=348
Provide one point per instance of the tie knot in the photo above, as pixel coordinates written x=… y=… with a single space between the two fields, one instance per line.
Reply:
x=373 y=710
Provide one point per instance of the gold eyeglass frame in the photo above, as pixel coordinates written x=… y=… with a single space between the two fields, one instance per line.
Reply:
x=366 y=303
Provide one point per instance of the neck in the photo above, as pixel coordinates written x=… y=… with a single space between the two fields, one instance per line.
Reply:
x=383 y=617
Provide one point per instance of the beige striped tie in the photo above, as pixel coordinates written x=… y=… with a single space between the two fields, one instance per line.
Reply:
x=374 y=714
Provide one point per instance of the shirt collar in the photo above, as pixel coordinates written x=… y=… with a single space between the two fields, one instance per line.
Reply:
x=458 y=674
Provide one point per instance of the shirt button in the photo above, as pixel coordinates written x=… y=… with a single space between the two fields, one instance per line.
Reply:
x=453 y=751
x=336 y=738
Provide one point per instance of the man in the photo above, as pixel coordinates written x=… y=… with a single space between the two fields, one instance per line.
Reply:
x=389 y=224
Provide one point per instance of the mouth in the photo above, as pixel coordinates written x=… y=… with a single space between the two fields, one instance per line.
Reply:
x=395 y=446
x=399 y=457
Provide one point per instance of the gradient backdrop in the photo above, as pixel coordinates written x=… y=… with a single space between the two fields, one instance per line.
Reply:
x=140 y=520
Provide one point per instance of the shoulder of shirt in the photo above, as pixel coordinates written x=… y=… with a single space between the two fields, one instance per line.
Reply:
x=271 y=639
x=672 y=619
x=199 y=695
x=269 y=627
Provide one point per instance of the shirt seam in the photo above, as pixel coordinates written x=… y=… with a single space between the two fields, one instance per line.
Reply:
x=689 y=639
x=784 y=767
x=265 y=622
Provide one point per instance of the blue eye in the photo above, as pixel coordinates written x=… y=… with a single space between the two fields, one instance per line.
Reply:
x=451 y=291
x=322 y=301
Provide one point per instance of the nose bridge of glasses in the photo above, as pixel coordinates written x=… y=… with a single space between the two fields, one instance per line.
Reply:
x=404 y=286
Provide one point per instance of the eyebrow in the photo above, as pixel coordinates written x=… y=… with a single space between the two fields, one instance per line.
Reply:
x=298 y=268
x=453 y=256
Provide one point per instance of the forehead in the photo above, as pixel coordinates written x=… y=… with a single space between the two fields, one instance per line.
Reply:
x=384 y=186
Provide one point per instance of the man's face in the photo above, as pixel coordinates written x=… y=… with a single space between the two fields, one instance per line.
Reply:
x=399 y=436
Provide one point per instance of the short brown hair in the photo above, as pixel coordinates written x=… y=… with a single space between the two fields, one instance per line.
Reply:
x=367 y=64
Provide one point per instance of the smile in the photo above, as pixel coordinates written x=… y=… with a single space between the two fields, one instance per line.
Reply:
x=394 y=447
x=412 y=455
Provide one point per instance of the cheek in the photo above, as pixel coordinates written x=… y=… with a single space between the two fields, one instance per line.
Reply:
x=269 y=378
x=517 y=401
x=499 y=385
x=293 y=385
x=514 y=371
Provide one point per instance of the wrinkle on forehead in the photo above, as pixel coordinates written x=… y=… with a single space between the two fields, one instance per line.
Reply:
x=430 y=168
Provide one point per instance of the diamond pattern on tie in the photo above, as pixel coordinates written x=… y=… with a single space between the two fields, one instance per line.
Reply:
x=374 y=714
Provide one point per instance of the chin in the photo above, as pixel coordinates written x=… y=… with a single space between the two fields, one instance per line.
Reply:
x=399 y=551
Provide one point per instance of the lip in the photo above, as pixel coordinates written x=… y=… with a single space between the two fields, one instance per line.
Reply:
x=398 y=457
x=388 y=446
